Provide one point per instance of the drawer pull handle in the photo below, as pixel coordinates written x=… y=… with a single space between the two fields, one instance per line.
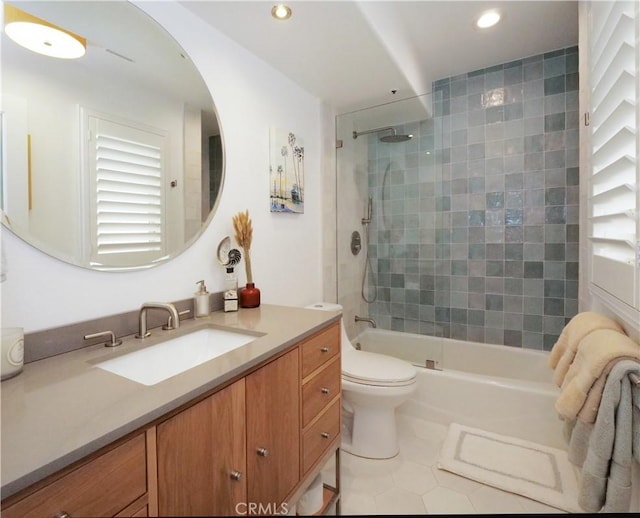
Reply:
x=236 y=475
x=324 y=390
x=325 y=435
x=62 y=514
x=263 y=452
x=324 y=349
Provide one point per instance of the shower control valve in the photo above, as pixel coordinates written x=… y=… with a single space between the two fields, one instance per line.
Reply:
x=356 y=242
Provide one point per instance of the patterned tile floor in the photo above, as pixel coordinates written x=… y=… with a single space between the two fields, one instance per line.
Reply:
x=411 y=483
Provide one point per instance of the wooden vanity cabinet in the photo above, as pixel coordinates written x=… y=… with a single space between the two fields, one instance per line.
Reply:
x=321 y=407
x=201 y=456
x=320 y=421
x=111 y=484
x=246 y=449
x=273 y=433
x=236 y=448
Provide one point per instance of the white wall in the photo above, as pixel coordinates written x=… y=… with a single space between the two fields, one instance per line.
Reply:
x=250 y=96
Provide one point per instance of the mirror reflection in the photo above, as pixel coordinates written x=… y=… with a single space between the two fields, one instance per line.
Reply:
x=112 y=160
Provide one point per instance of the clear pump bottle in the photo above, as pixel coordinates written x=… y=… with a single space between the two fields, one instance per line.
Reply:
x=201 y=301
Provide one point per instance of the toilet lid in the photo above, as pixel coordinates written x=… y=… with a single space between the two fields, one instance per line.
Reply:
x=376 y=369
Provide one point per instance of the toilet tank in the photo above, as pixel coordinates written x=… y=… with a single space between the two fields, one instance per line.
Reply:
x=345 y=343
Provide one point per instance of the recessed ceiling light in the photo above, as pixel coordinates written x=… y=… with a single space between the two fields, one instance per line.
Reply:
x=488 y=19
x=281 y=12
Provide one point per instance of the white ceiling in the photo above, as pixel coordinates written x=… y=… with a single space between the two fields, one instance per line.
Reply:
x=352 y=54
x=122 y=42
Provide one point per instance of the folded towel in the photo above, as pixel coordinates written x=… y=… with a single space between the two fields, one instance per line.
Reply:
x=579 y=326
x=593 y=355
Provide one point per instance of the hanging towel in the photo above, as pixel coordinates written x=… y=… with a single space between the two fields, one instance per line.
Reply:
x=594 y=353
x=589 y=409
x=564 y=350
x=604 y=450
x=577 y=433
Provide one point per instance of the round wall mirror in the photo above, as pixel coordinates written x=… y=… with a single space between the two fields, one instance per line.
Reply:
x=114 y=160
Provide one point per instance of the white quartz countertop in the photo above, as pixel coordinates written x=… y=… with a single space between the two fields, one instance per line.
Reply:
x=60 y=409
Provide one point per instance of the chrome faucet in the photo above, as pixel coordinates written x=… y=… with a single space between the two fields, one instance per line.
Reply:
x=172 y=323
x=370 y=320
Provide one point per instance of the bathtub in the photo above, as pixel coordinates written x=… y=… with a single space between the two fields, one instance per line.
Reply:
x=493 y=387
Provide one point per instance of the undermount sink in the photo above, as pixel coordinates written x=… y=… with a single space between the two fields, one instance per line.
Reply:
x=159 y=362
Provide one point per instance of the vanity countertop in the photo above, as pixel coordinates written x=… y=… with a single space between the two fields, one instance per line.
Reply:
x=63 y=408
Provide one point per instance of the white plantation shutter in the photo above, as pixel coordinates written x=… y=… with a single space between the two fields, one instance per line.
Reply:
x=613 y=82
x=127 y=193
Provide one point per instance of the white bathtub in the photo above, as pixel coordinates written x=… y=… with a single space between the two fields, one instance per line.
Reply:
x=493 y=387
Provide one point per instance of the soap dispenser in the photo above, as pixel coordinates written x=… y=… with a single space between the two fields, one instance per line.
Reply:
x=201 y=301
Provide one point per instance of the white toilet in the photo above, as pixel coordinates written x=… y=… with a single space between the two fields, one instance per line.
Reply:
x=373 y=386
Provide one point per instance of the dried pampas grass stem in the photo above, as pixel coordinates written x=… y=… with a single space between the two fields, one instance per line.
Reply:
x=244 y=235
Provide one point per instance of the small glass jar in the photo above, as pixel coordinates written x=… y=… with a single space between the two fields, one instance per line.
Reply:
x=230 y=291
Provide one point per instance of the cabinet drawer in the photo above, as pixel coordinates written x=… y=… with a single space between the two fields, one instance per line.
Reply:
x=320 y=348
x=320 y=435
x=102 y=487
x=320 y=390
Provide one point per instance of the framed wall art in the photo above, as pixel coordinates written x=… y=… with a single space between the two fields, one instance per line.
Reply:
x=286 y=171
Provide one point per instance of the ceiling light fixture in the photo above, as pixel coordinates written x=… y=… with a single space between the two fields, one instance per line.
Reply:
x=40 y=36
x=488 y=19
x=281 y=12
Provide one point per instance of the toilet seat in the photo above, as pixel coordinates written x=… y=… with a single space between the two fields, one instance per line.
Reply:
x=376 y=370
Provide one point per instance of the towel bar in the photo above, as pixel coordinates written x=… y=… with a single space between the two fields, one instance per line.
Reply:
x=635 y=379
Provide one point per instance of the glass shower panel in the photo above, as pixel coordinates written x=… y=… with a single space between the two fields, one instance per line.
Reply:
x=389 y=227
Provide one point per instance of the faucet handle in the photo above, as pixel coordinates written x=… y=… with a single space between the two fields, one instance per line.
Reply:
x=113 y=343
x=169 y=325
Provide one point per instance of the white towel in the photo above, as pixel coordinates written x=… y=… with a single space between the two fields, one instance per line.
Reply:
x=564 y=350
x=312 y=499
x=594 y=353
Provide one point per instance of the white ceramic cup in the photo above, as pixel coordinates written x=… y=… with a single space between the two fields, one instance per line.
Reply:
x=12 y=351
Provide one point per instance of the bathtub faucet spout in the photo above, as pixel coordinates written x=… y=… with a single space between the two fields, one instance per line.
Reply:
x=370 y=320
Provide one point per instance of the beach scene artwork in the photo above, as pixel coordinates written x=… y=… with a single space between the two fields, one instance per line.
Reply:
x=286 y=171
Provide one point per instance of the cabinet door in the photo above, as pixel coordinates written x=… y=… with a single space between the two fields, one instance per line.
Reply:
x=273 y=431
x=201 y=457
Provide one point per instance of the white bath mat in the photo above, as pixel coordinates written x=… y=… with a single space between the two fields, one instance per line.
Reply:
x=525 y=468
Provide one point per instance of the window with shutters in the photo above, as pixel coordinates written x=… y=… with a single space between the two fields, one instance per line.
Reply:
x=126 y=170
x=613 y=57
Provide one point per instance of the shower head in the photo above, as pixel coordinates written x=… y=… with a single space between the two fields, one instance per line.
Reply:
x=394 y=137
